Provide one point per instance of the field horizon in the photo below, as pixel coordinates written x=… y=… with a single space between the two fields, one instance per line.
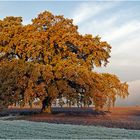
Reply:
x=117 y=117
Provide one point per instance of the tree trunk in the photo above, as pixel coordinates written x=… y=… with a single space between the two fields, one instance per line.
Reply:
x=47 y=109
x=31 y=104
x=46 y=105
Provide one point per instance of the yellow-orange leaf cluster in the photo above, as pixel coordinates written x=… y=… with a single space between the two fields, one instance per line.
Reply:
x=50 y=58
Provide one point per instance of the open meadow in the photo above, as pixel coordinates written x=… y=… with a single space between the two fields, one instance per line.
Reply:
x=71 y=123
x=19 y=129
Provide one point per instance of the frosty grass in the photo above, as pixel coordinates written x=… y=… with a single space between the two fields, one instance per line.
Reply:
x=20 y=129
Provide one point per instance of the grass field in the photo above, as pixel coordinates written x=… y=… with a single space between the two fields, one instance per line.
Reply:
x=18 y=129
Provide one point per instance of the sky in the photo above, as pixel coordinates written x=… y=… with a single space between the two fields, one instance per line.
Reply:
x=117 y=22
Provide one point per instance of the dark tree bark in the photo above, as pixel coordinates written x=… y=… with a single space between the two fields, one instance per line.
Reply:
x=46 y=105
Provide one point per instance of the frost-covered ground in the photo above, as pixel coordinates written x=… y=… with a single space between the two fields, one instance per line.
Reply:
x=18 y=129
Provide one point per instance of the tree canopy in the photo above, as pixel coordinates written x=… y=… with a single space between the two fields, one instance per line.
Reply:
x=49 y=58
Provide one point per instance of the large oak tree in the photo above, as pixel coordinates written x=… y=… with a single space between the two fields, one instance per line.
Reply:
x=49 y=59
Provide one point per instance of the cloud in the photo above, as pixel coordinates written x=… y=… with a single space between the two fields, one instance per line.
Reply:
x=118 y=25
x=25 y=22
x=124 y=30
x=101 y=27
x=87 y=10
x=129 y=40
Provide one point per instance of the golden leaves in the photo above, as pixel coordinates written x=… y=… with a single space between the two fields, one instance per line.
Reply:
x=49 y=57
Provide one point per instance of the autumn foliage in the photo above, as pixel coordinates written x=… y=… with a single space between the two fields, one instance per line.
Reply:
x=49 y=59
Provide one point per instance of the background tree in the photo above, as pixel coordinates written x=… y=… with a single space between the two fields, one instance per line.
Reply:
x=54 y=61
